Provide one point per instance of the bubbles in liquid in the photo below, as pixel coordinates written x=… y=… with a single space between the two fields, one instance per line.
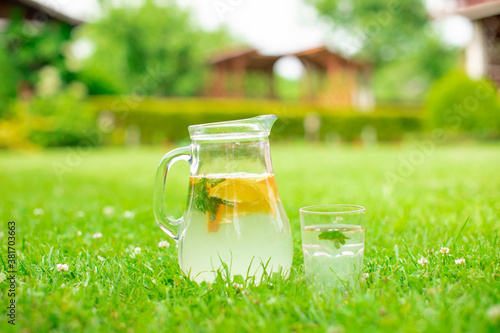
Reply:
x=334 y=261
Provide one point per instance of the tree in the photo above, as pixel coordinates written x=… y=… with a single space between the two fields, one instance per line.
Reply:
x=25 y=48
x=151 y=49
x=393 y=35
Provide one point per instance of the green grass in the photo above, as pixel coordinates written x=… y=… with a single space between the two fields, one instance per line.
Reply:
x=108 y=289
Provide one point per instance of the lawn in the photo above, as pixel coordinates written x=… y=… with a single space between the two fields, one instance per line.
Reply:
x=60 y=199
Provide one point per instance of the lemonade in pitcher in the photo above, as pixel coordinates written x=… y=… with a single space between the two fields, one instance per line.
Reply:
x=233 y=219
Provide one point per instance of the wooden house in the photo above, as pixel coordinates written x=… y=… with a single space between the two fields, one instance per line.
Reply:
x=330 y=79
x=482 y=55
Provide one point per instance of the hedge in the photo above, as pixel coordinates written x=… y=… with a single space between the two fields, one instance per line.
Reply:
x=464 y=106
x=162 y=119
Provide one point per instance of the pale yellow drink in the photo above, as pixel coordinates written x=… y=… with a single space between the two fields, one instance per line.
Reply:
x=234 y=219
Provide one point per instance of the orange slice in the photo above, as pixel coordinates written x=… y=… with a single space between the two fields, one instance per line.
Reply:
x=237 y=191
x=268 y=186
x=226 y=214
x=243 y=197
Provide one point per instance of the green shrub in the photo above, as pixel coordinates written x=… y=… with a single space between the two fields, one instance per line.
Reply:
x=67 y=121
x=458 y=103
x=64 y=119
x=167 y=119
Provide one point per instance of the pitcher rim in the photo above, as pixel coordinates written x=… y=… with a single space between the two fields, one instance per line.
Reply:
x=255 y=127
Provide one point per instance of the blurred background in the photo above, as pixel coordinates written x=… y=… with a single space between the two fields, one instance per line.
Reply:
x=138 y=72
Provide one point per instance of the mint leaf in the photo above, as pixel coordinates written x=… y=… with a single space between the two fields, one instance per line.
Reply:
x=200 y=195
x=205 y=203
x=215 y=182
x=213 y=206
x=337 y=237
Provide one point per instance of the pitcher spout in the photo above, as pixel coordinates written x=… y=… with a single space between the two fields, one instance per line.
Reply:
x=255 y=127
x=266 y=121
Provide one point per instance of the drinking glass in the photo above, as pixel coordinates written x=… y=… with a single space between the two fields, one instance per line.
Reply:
x=333 y=241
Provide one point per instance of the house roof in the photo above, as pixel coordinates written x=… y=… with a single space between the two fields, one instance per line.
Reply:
x=254 y=60
x=232 y=54
x=478 y=9
x=32 y=8
x=319 y=57
x=251 y=58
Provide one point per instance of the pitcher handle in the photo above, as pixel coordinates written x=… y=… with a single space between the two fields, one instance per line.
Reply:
x=167 y=224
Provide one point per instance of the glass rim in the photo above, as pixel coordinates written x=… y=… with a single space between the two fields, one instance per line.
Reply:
x=356 y=209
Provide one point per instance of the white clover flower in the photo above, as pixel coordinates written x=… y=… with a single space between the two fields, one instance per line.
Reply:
x=163 y=244
x=460 y=261
x=97 y=235
x=271 y=300
x=137 y=250
x=493 y=313
x=78 y=233
x=108 y=210
x=80 y=214
x=444 y=250
x=62 y=267
x=423 y=261
x=38 y=211
x=366 y=275
x=128 y=214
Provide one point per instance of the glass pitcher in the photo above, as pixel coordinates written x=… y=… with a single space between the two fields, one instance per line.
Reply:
x=234 y=215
